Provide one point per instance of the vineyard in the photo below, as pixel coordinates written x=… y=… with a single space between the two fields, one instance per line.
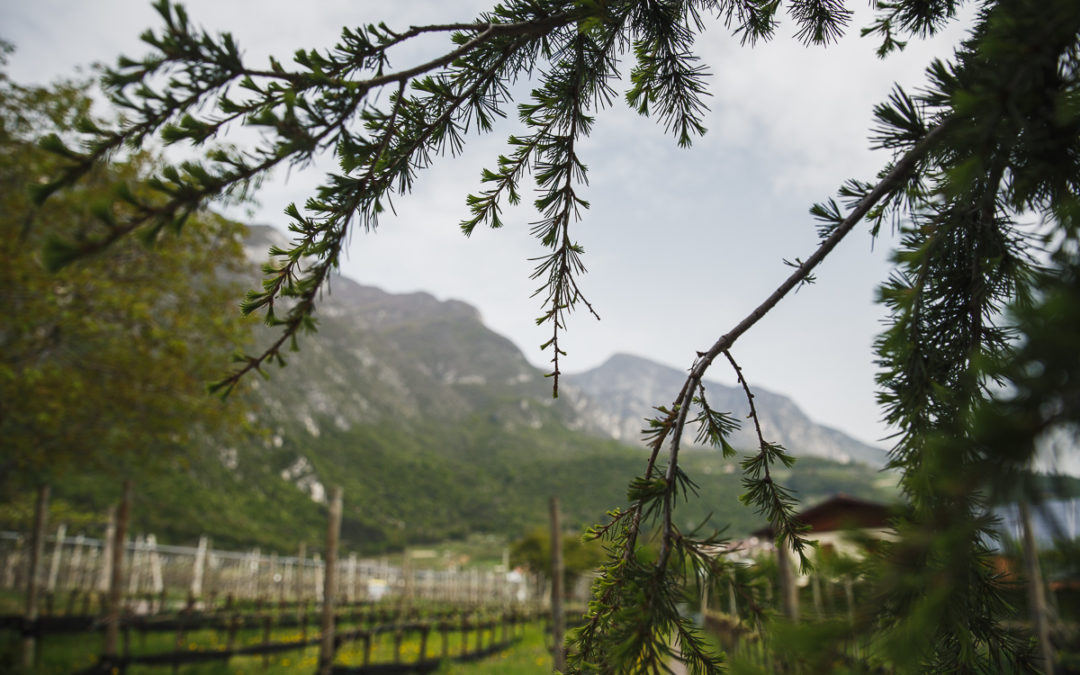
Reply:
x=368 y=639
x=117 y=605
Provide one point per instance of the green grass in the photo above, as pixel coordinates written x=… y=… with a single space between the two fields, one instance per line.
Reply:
x=530 y=656
x=62 y=654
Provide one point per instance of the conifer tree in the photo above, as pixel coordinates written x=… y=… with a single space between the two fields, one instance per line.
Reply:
x=975 y=362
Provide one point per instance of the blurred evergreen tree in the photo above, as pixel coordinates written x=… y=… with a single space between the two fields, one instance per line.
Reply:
x=104 y=363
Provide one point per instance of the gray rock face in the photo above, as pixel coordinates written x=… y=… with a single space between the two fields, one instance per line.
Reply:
x=620 y=394
x=380 y=357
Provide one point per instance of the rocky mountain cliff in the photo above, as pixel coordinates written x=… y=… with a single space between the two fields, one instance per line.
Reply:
x=435 y=427
x=379 y=356
x=618 y=395
x=382 y=357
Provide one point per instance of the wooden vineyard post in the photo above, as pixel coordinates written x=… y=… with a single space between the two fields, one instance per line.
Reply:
x=424 y=630
x=253 y=577
x=350 y=593
x=558 y=625
x=116 y=578
x=107 y=554
x=266 y=619
x=789 y=592
x=301 y=559
x=849 y=597
x=333 y=531
x=704 y=578
x=157 y=580
x=733 y=607
x=1036 y=595
x=10 y=562
x=75 y=566
x=58 y=554
x=37 y=551
x=815 y=587
x=135 y=568
x=273 y=576
x=199 y=568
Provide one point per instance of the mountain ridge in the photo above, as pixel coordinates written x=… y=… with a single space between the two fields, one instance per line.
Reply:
x=435 y=427
x=391 y=338
x=623 y=391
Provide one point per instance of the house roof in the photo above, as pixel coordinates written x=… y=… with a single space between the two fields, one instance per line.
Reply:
x=839 y=512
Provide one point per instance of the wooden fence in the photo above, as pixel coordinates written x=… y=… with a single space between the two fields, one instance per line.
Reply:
x=76 y=571
x=121 y=586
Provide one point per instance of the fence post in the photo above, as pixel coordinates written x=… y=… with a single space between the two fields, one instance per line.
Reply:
x=37 y=550
x=789 y=592
x=199 y=568
x=107 y=555
x=350 y=595
x=116 y=577
x=1036 y=595
x=815 y=581
x=11 y=561
x=75 y=566
x=135 y=567
x=558 y=626
x=58 y=552
x=333 y=530
x=301 y=566
x=157 y=580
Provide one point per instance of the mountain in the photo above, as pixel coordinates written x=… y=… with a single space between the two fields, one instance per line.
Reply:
x=435 y=427
x=618 y=395
x=403 y=358
x=442 y=425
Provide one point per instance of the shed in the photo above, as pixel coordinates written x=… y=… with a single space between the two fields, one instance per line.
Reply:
x=839 y=513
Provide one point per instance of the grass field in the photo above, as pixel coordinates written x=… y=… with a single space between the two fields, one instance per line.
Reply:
x=66 y=654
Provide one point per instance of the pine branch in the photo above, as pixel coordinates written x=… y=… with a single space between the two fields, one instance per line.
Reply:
x=378 y=176
x=772 y=500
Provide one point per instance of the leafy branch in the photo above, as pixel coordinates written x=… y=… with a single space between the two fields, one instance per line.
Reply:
x=614 y=623
x=772 y=500
x=303 y=110
x=993 y=136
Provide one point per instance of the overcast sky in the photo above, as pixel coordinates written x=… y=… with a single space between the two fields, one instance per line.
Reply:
x=680 y=243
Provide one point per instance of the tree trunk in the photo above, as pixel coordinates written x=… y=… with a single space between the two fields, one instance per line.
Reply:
x=558 y=624
x=333 y=531
x=37 y=551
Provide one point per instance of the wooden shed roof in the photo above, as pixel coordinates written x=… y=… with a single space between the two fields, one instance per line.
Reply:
x=839 y=512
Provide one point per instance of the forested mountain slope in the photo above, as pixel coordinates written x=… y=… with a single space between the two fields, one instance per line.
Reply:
x=435 y=427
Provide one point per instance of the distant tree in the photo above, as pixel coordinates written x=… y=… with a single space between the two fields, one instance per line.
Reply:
x=106 y=362
x=982 y=188
x=533 y=552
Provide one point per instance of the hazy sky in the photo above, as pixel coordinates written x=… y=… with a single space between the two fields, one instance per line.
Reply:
x=680 y=243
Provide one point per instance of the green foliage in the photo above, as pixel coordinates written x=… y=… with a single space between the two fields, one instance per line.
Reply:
x=977 y=356
x=533 y=551
x=104 y=361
